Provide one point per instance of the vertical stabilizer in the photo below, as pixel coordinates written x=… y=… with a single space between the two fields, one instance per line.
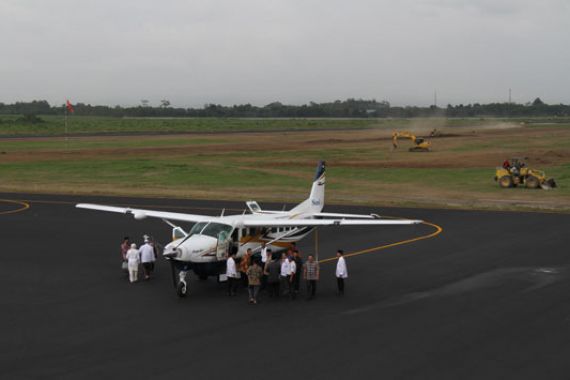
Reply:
x=316 y=200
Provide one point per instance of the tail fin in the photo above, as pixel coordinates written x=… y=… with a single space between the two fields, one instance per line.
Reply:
x=316 y=200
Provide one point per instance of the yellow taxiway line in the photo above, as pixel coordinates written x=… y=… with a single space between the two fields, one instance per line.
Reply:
x=24 y=206
x=438 y=230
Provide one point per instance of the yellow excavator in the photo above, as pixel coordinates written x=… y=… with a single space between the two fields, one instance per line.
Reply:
x=420 y=144
x=514 y=172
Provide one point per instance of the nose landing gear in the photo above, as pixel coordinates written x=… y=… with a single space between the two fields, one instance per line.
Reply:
x=182 y=287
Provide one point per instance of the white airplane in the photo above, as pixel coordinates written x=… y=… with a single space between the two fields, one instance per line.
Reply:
x=204 y=248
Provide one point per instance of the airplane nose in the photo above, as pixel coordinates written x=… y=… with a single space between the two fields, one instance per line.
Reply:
x=171 y=252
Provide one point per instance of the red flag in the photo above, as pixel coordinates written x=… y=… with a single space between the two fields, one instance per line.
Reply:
x=69 y=106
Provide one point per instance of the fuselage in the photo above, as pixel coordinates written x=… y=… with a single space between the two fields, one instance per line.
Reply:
x=210 y=241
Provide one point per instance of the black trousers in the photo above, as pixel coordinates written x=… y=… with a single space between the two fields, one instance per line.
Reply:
x=297 y=282
x=244 y=280
x=232 y=285
x=311 y=288
x=273 y=288
x=285 y=288
x=340 y=285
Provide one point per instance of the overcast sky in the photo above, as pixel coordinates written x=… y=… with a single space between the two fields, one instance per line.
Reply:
x=293 y=51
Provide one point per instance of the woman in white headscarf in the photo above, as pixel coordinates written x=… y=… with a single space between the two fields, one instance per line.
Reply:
x=133 y=259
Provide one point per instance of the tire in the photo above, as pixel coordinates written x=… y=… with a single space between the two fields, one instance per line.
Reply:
x=551 y=182
x=532 y=182
x=181 y=289
x=506 y=182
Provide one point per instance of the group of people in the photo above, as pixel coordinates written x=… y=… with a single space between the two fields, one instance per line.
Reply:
x=133 y=257
x=279 y=275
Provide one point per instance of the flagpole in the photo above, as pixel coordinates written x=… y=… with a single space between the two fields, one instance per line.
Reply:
x=66 y=136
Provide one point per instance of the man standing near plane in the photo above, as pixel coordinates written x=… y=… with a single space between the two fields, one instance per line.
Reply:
x=147 y=258
x=285 y=274
x=272 y=271
x=298 y=271
x=341 y=271
x=264 y=259
x=292 y=277
x=231 y=273
x=311 y=274
x=254 y=273
x=263 y=253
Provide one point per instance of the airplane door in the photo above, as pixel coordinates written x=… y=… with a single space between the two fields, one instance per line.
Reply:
x=223 y=245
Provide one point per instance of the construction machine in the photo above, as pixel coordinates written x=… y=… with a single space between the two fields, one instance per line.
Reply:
x=515 y=172
x=420 y=144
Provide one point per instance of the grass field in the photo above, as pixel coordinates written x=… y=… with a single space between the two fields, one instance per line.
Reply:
x=268 y=163
x=10 y=125
x=77 y=125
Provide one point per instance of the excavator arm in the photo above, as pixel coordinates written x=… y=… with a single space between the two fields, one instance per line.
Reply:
x=420 y=145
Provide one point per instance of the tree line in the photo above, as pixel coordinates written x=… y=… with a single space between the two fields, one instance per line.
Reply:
x=353 y=108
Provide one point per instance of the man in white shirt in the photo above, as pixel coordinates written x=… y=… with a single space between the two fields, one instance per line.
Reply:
x=232 y=274
x=285 y=274
x=266 y=255
x=263 y=254
x=147 y=258
x=292 y=276
x=341 y=271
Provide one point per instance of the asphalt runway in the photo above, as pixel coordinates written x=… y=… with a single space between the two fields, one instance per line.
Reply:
x=488 y=297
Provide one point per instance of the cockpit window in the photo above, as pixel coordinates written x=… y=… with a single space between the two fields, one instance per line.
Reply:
x=198 y=227
x=214 y=229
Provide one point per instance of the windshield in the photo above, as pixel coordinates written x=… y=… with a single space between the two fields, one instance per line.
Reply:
x=198 y=227
x=214 y=229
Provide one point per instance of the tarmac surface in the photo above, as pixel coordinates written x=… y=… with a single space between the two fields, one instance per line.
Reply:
x=488 y=297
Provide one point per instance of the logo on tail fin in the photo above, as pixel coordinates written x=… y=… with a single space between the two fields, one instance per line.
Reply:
x=320 y=174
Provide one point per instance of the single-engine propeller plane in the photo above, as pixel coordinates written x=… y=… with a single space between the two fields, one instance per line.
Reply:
x=204 y=248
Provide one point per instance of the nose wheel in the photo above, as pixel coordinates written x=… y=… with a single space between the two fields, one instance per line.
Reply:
x=182 y=287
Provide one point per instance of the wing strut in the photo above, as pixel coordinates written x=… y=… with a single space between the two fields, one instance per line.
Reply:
x=294 y=230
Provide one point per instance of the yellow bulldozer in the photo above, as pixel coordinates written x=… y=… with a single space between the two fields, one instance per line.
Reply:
x=420 y=144
x=515 y=172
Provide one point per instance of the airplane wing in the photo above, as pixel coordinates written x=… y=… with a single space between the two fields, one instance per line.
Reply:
x=326 y=222
x=336 y=215
x=322 y=214
x=141 y=213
